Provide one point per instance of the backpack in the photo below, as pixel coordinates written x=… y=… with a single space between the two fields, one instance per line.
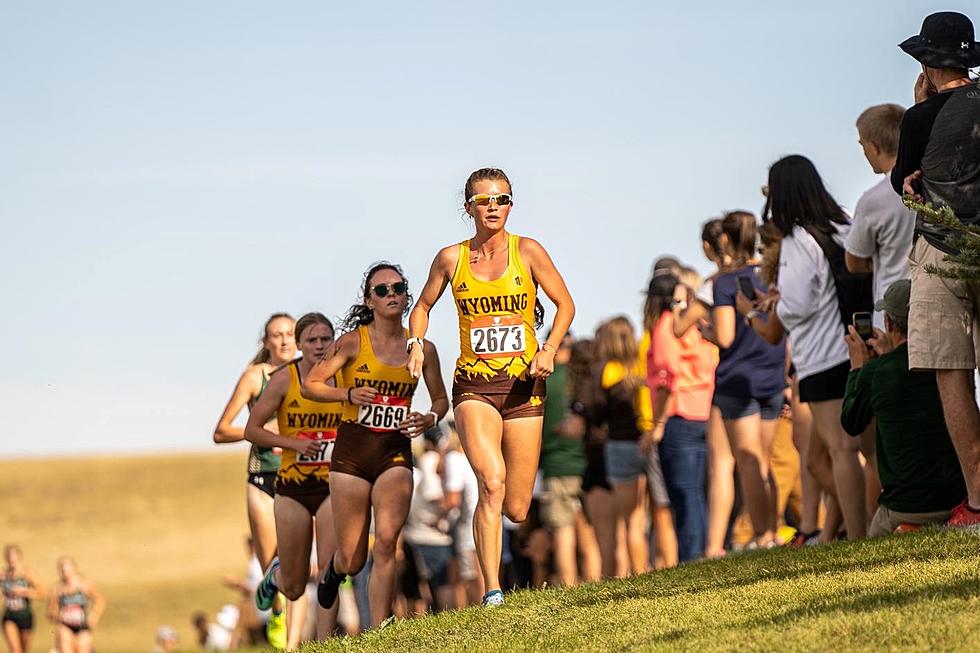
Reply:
x=855 y=293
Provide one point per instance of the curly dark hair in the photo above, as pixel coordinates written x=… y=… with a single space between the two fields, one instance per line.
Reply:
x=359 y=314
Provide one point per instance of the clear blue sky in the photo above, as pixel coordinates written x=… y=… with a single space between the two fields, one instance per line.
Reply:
x=174 y=172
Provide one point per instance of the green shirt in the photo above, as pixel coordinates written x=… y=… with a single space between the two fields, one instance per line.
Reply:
x=560 y=455
x=916 y=461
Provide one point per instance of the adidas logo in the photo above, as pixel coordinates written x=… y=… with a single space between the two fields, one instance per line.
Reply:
x=364 y=368
x=518 y=281
x=462 y=287
x=293 y=404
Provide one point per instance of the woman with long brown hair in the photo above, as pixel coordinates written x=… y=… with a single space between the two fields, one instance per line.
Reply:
x=498 y=385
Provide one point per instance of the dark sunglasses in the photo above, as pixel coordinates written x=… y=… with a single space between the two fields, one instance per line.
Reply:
x=383 y=289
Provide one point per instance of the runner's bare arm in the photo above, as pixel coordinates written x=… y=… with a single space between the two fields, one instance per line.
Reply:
x=53 y=615
x=247 y=388
x=98 y=604
x=440 y=273
x=542 y=269
x=265 y=409
x=416 y=423
x=318 y=383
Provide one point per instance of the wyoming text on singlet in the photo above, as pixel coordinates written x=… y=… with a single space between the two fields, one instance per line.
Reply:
x=496 y=325
x=306 y=419
x=395 y=386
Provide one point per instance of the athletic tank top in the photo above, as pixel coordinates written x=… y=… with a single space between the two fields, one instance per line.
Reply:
x=12 y=603
x=395 y=388
x=303 y=418
x=73 y=608
x=263 y=460
x=496 y=323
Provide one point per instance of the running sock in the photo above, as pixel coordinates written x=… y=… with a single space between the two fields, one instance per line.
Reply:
x=329 y=585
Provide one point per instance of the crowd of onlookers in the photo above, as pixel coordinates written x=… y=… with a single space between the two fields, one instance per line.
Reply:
x=817 y=385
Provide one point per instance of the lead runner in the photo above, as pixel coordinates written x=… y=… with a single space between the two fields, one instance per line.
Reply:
x=498 y=385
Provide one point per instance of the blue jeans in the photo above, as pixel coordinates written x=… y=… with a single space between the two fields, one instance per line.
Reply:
x=682 y=458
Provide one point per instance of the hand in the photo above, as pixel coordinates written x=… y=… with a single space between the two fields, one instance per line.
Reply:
x=923 y=89
x=363 y=396
x=768 y=302
x=907 y=187
x=857 y=348
x=657 y=434
x=707 y=330
x=745 y=304
x=308 y=448
x=416 y=424
x=881 y=343
x=646 y=443
x=543 y=363
x=415 y=359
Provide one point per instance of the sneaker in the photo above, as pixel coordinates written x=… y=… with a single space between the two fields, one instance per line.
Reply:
x=801 y=539
x=493 y=598
x=964 y=517
x=906 y=528
x=328 y=587
x=265 y=593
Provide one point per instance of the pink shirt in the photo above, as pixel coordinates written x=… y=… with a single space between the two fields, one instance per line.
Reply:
x=685 y=366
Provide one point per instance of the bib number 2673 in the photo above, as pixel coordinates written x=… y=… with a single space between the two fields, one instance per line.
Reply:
x=497 y=336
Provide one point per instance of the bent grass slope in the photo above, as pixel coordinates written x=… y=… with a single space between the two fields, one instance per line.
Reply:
x=916 y=592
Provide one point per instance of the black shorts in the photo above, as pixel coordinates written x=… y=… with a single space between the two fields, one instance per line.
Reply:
x=77 y=629
x=825 y=386
x=310 y=495
x=265 y=481
x=594 y=475
x=368 y=454
x=23 y=619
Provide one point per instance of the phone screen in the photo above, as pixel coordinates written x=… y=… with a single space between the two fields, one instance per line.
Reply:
x=862 y=324
x=747 y=288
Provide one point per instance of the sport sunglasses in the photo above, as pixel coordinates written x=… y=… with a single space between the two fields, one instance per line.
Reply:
x=383 y=289
x=503 y=199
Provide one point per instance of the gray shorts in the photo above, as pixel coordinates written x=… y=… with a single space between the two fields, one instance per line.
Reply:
x=625 y=463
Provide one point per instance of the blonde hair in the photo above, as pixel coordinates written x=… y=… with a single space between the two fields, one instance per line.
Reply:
x=881 y=125
x=689 y=277
x=616 y=342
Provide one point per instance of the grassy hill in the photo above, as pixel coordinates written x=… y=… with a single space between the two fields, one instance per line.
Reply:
x=909 y=593
x=155 y=534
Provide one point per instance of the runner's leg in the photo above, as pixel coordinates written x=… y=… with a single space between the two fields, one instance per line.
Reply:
x=391 y=499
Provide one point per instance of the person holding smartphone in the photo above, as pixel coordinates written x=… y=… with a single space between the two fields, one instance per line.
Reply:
x=499 y=382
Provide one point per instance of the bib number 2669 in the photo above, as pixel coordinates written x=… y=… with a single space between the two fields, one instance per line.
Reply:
x=385 y=414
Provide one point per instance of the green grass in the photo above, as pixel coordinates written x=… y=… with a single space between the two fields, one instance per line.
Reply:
x=917 y=592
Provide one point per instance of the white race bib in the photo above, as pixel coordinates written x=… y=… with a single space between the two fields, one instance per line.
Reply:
x=321 y=457
x=384 y=414
x=497 y=336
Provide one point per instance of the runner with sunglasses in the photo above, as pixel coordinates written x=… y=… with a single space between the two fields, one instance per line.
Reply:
x=498 y=385
x=306 y=434
x=372 y=458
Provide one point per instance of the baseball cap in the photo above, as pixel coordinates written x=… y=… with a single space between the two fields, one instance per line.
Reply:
x=896 y=299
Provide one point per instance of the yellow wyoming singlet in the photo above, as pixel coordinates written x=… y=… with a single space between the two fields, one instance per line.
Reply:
x=395 y=388
x=309 y=420
x=496 y=323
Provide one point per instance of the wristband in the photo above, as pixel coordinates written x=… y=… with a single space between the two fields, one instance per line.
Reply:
x=751 y=314
x=435 y=417
x=349 y=400
x=412 y=341
x=548 y=344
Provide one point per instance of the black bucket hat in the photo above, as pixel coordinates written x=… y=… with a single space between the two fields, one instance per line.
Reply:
x=946 y=40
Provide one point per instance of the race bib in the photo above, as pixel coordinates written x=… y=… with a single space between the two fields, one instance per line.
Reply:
x=323 y=455
x=15 y=603
x=383 y=414
x=497 y=336
x=73 y=615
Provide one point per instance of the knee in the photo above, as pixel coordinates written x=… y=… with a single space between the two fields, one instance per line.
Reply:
x=844 y=447
x=516 y=510
x=349 y=563
x=492 y=490
x=384 y=548
x=293 y=590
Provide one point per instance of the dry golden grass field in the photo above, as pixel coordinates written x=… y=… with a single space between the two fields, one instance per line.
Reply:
x=156 y=534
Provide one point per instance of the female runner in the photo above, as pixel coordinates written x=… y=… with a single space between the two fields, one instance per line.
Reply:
x=307 y=430
x=19 y=587
x=372 y=458
x=498 y=385
x=75 y=606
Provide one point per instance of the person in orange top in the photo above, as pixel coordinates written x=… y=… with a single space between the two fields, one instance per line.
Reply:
x=680 y=373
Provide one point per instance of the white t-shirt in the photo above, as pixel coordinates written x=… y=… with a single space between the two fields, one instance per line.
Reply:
x=458 y=476
x=422 y=525
x=882 y=231
x=808 y=303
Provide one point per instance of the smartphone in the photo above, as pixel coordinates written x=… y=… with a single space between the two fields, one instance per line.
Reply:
x=747 y=287
x=862 y=324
